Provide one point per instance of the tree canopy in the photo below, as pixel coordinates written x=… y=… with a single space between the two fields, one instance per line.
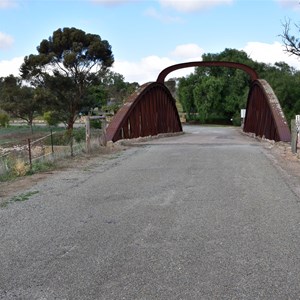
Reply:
x=216 y=94
x=18 y=100
x=68 y=63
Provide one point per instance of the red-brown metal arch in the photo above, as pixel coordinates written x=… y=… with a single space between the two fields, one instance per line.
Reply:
x=164 y=73
x=264 y=115
x=149 y=111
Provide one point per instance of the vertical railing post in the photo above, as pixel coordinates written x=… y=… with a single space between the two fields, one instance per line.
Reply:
x=297 y=129
x=294 y=136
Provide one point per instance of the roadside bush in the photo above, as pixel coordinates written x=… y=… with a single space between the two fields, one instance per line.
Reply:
x=58 y=139
x=51 y=118
x=41 y=166
x=63 y=138
x=213 y=119
x=96 y=124
x=79 y=135
x=236 y=120
x=20 y=168
x=4 y=119
x=5 y=168
x=12 y=167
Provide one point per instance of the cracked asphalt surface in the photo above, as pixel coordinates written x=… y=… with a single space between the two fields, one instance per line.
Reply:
x=204 y=215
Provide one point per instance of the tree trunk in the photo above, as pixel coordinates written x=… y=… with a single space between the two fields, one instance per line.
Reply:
x=70 y=123
x=30 y=124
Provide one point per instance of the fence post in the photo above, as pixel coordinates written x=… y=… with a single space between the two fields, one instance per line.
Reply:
x=294 y=136
x=71 y=144
x=29 y=152
x=297 y=129
x=88 y=134
x=104 y=131
x=51 y=135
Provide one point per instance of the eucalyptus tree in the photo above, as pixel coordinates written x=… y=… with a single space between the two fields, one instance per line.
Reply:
x=68 y=63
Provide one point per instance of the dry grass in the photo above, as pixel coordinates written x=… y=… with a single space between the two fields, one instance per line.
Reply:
x=20 y=168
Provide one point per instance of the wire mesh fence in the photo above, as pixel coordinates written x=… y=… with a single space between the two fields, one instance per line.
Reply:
x=50 y=147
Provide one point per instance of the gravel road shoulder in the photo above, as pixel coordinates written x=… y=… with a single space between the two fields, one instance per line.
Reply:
x=9 y=189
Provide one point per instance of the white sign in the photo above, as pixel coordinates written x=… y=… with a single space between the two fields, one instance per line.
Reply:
x=243 y=113
x=298 y=122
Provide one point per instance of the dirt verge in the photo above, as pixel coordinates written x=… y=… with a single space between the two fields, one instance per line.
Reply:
x=10 y=188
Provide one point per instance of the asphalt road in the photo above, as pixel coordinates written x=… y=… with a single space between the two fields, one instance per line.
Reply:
x=204 y=215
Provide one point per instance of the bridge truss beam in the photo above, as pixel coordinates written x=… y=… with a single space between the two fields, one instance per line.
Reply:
x=149 y=111
x=264 y=115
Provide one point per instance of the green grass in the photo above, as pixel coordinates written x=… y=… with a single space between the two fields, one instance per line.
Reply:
x=15 y=134
x=37 y=167
x=4 y=141
x=23 y=197
x=8 y=176
x=41 y=166
x=25 y=129
x=19 y=198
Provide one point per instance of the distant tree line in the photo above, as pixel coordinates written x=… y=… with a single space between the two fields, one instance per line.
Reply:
x=69 y=75
x=217 y=94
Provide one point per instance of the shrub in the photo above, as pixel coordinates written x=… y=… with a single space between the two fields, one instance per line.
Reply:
x=96 y=123
x=51 y=118
x=236 y=120
x=6 y=169
x=4 y=119
x=79 y=135
x=41 y=166
x=20 y=168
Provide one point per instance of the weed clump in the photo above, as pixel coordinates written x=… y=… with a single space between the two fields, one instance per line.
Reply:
x=20 y=168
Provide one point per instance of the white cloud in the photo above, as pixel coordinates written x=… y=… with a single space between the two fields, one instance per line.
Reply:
x=270 y=53
x=145 y=70
x=153 y=13
x=11 y=67
x=5 y=40
x=148 y=68
x=289 y=3
x=7 y=4
x=188 y=52
x=192 y=5
x=179 y=5
x=109 y=2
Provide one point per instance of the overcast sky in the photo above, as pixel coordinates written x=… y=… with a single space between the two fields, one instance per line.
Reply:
x=147 y=36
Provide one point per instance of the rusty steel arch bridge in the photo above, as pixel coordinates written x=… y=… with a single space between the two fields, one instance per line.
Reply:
x=151 y=110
